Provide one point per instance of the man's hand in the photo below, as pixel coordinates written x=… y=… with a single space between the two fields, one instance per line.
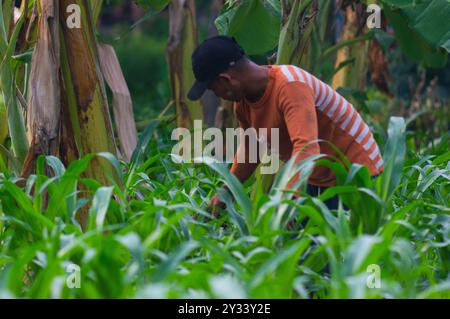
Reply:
x=215 y=204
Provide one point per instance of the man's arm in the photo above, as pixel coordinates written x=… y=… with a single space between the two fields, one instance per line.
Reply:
x=242 y=170
x=299 y=111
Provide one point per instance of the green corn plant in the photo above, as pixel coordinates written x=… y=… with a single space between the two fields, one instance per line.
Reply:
x=4 y=121
x=158 y=240
x=394 y=156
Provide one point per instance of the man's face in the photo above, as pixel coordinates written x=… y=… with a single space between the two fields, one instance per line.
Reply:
x=227 y=88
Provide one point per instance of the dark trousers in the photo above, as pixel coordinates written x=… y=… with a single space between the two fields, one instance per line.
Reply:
x=331 y=203
x=315 y=191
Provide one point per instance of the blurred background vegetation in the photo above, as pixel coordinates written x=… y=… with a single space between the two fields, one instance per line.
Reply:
x=140 y=39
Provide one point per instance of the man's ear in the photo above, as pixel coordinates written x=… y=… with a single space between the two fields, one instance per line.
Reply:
x=224 y=77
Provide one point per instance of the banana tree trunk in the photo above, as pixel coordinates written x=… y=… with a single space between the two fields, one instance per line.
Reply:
x=356 y=56
x=68 y=109
x=182 y=42
x=211 y=103
x=86 y=120
x=43 y=116
x=66 y=60
x=85 y=98
x=318 y=38
x=296 y=26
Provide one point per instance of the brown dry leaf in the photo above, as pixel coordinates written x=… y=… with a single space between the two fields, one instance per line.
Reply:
x=122 y=104
x=43 y=114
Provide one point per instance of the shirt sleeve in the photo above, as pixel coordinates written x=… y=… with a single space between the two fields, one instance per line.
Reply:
x=242 y=170
x=299 y=112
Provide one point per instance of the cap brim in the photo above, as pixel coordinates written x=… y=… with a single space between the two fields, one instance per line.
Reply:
x=197 y=90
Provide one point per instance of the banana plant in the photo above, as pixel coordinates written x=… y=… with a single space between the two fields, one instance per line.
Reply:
x=72 y=119
x=421 y=29
x=297 y=24
x=183 y=40
x=254 y=23
x=8 y=67
x=352 y=60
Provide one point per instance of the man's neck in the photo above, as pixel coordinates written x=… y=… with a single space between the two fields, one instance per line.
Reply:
x=258 y=78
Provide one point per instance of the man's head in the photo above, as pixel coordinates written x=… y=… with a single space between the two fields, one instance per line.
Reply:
x=217 y=64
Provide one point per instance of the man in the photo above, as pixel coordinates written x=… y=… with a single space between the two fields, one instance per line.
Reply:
x=286 y=97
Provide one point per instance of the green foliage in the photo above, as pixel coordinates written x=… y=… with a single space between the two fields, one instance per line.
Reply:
x=8 y=68
x=153 y=4
x=4 y=121
x=145 y=69
x=421 y=29
x=255 y=24
x=394 y=155
x=150 y=234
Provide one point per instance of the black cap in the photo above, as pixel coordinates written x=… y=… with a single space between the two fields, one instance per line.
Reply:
x=212 y=57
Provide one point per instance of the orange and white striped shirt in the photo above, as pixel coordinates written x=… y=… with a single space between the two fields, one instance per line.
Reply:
x=305 y=109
